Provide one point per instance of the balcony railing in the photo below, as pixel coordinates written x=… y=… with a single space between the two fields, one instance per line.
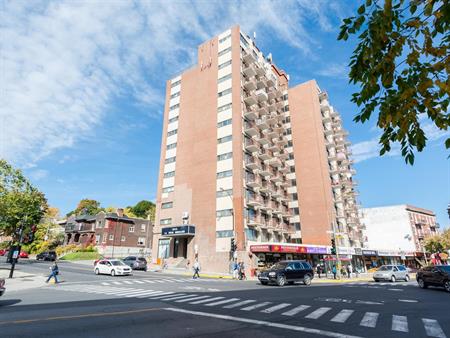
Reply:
x=250 y=128
x=251 y=145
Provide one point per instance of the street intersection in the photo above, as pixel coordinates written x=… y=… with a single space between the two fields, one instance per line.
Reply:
x=158 y=304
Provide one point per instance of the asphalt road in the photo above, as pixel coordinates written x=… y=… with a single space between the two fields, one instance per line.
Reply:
x=161 y=305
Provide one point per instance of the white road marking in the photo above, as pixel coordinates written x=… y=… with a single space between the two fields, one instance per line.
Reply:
x=342 y=316
x=165 y=294
x=296 y=310
x=399 y=323
x=139 y=282
x=318 y=313
x=369 y=319
x=178 y=297
x=408 y=300
x=432 y=328
x=255 y=306
x=265 y=323
x=220 y=302
x=129 y=292
x=104 y=283
x=117 y=283
x=153 y=293
x=127 y=282
x=368 y=302
x=147 y=292
x=192 y=298
x=244 y=302
x=395 y=289
x=206 y=300
x=275 y=308
x=149 y=281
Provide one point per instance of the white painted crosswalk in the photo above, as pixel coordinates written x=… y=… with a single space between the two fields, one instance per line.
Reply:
x=296 y=312
x=159 y=281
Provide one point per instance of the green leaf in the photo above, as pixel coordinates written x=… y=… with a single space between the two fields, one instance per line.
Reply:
x=361 y=9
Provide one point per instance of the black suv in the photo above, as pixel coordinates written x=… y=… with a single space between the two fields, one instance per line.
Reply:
x=287 y=272
x=438 y=275
x=47 y=256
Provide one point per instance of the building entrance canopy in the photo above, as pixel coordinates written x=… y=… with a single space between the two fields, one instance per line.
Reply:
x=179 y=231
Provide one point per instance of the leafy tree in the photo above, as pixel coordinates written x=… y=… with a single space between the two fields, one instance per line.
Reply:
x=20 y=202
x=144 y=209
x=439 y=242
x=86 y=207
x=401 y=64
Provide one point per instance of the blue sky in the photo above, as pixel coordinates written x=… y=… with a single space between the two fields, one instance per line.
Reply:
x=82 y=114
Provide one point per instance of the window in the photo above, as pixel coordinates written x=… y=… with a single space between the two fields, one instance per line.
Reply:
x=225 y=38
x=224 y=174
x=224 y=156
x=168 y=189
x=141 y=241
x=290 y=144
x=224 y=233
x=167 y=205
x=296 y=211
x=224 y=123
x=169 y=174
x=170 y=160
x=297 y=226
x=251 y=234
x=291 y=156
x=224 y=107
x=176 y=83
x=224 y=213
x=97 y=239
x=142 y=227
x=285 y=97
x=122 y=239
x=224 y=92
x=173 y=132
x=171 y=146
x=165 y=221
x=98 y=224
x=225 y=139
x=223 y=65
x=111 y=237
x=173 y=119
x=244 y=41
x=223 y=52
x=294 y=183
x=131 y=228
x=224 y=78
x=175 y=95
x=105 y=237
x=175 y=106
x=288 y=131
x=222 y=193
x=295 y=197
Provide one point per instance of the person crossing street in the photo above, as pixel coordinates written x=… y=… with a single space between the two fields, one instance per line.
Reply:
x=196 y=267
x=54 y=272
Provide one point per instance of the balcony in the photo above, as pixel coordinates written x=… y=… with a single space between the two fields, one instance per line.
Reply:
x=324 y=106
x=274 y=162
x=283 y=169
x=281 y=154
x=251 y=113
x=264 y=170
x=262 y=123
x=271 y=82
x=273 y=146
x=250 y=84
x=253 y=221
x=261 y=95
x=252 y=181
x=260 y=71
x=248 y=58
x=282 y=141
x=251 y=163
x=264 y=155
x=253 y=200
x=263 y=111
x=251 y=145
x=249 y=71
x=250 y=100
x=251 y=129
x=260 y=83
x=272 y=118
x=272 y=107
x=326 y=118
x=262 y=139
x=276 y=179
x=271 y=134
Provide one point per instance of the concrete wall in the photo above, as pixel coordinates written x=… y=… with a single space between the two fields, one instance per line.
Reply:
x=386 y=228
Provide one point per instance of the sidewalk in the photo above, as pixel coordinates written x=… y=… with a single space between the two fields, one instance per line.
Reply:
x=21 y=280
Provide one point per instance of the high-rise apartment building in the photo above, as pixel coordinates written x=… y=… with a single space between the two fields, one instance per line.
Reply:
x=246 y=160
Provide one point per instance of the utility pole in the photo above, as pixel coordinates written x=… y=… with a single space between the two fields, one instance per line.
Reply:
x=17 y=249
x=336 y=235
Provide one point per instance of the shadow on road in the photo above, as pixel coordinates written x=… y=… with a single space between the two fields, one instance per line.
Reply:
x=9 y=302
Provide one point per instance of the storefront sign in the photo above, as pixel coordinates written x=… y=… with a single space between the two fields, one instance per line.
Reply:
x=260 y=248
x=369 y=252
x=316 y=250
x=346 y=251
x=289 y=249
x=188 y=230
x=389 y=253
x=358 y=251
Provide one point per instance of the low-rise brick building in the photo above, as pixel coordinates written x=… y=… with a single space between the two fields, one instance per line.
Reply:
x=114 y=234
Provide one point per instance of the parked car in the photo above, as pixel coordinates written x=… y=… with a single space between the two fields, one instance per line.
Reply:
x=113 y=267
x=438 y=275
x=391 y=273
x=2 y=287
x=287 y=272
x=101 y=257
x=4 y=252
x=23 y=254
x=136 y=263
x=47 y=256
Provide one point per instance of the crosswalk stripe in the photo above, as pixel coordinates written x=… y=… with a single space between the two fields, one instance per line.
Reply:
x=142 y=293
x=296 y=310
x=369 y=319
x=117 y=283
x=318 y=313
x=139 y=282
x=191 y=298
x=129 y=292
x=255 y=306
x=104 y=283
x=153 y=293
x=220 y=302
x=165 y=294
x=178 y=297
x=275 y=308
x=127 y=282
x=206 y=300
x=244 y=302
x=342 y=316
x=156 y=293
x=149 y=281
x=399 y=323
x=432 y=328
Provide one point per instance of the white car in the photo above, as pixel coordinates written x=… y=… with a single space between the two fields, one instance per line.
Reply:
x=113 y=267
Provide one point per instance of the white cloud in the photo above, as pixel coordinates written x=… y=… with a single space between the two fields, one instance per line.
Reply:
x=64 y=62
x=38 y=174
x=366 y=150
x=334 y=70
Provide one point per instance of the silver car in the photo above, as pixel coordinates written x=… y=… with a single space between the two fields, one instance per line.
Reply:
x=391 y=273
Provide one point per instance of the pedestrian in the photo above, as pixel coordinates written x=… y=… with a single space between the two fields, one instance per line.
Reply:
x=242 y=271
x=235 y=270
x=54 y=272
x=318 y=270
x=350 y=270
x=334 y=271
x=196 y=270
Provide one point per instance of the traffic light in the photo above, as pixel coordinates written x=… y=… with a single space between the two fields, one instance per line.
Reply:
x=31 y=233
x=233 y=245
x=333 y=246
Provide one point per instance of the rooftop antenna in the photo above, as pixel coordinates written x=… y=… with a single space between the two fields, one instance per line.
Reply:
x=254 y=35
